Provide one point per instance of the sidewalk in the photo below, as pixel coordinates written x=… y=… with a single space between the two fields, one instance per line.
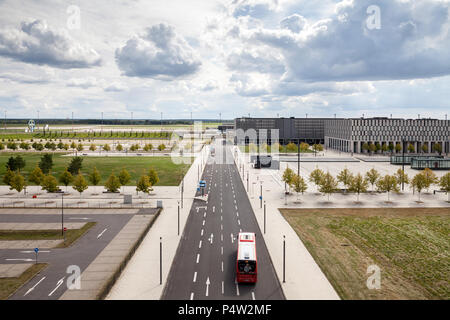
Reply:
x=141 y=278
x=304 y=278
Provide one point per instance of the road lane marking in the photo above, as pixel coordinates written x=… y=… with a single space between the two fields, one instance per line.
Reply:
x=232 y=238
x=201 y=233
x=32 y=288
x=237 y=213
x=192 y=296
x=198 y=257
x=26 y=260
x=237 y=289
x=40 y=251
x=207 y=286
x=204 y=215
x=60 y=282
x=239 y=222
x=211 y=238
x=222 y=288
x=222 y=266
x=221 y=227
x=102 y=233
x=203 y=222
x=200 y=244
x=253 y=295
x=195 y=276
x=236 y=207
x=221 y=250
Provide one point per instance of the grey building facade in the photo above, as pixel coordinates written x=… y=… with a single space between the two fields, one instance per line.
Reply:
x=348 y=135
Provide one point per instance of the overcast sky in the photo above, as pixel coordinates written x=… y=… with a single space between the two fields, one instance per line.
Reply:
x=257 y=57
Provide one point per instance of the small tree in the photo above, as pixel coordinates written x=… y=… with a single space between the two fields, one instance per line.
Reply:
x=93 y=147
x=444 y=183
x=377 y=147
x=359 y=184
x=7 y=178
x=398 y=147
x=372 y=176
x=365 y=146
x=430 y=178
x=391 y=147
x=49 y=183
x=119 y=147
x=437 y=148
x=287 y=177
x=46 y=163
x=36 y=176
x=291 y=147
x=419 y=183
x=79 y=183
x=161 y=147
x=411 y=148
x=316 y=176
x=80 y=147
x=143 y=184
x=124 y=178
x=73 y=146
x=18 y=183
x=75 y=165
x=148 y=147
x=66 y=178
x=153 y=177
x=425 y=148
x=95 y=177
x=388 y=184
x=328 y=184
x=345 y=176
x=106 y=147
x=298 y=184
x=304 y=147
x=113 y=183
x=15 y=163
x=402 y=177
x=384 y=148
x=372 y=148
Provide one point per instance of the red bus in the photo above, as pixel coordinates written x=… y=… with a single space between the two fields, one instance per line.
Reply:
x=246 y=264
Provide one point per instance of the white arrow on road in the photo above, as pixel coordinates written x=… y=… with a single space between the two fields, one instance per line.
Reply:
x=27 y=260
x=102 y=233
x=207 y=286
x=60 y=282
x=32 y=288
x=211 y=238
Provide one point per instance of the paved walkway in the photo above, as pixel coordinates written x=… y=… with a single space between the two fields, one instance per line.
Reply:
x=304 y=278
x=13 y=270
x=141 y=278
x=39 y=226
x=99 y=273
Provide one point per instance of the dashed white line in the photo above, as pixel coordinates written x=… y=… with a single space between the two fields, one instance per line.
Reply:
x=201 y=233
x=222 y=288
x=102 y=233
x=203 y=222
x=239 y=222
x=222 y=266
x=221 y=250
x=195 y=276
x=200 y=244
x=192 y=296
x=198 y=257
x=253 y=295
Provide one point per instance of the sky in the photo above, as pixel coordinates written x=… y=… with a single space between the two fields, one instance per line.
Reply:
x=224 y=58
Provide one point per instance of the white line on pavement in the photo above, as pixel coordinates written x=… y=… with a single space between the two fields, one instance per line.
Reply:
x=222 y=266
x=201 y=233
x=102 y=233
x=195 y=276
x=200 y=244
x=198 y=257
x=60 y=282
x=253 y=295
x=221 y=250
x=192 y=296
x=222 y=288
x=237 y=288
x=239 y=222
x=32 y=288
x=203 y=222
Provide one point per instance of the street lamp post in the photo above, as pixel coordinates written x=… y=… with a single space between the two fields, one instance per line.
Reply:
x=403 y=163
x=160 y=260
x=62 y=214
x=260 y=197
x=284 y=258
x=264 y=217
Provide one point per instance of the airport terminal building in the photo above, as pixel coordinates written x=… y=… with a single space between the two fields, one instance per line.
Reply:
x=349 y=135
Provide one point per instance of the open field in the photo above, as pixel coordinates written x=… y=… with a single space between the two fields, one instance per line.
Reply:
x=410 y=245
x=170 y=174
x=9 y=285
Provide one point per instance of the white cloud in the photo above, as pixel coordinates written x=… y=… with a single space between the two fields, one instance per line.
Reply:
x=37 y=43
x=160 y=53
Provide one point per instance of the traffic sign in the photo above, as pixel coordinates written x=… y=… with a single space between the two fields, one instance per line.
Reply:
x=36 y=250
x=260 y=197
x=65 y=229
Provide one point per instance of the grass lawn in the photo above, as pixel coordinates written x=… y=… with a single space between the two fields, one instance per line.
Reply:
x=71 y=234
x=410 y=245
x=10 y=285
x=170 y=174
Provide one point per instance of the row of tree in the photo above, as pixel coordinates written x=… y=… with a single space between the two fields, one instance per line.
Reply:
x=290 y=147
x=37 y=146
x=377 y=147
x=49 y=183
x=359 y=183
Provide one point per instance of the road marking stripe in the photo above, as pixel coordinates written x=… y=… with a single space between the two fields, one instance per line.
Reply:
x=222 y=288
x=221 y=250
x=200 y=244
x=203 y=222
x=60 y=282
x=32 y=288
x=222 y=266
x=195 y=276
x=198 y=257
x=201 y=233
x=237 y=288
x=102 y=233
x=192 y=296
x=239 y=222
x=253 y=295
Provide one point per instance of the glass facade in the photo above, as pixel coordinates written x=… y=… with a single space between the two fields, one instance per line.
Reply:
x=432 y=163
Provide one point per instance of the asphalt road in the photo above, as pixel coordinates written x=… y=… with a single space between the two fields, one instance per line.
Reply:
x=205 y=263
x=47 y=285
